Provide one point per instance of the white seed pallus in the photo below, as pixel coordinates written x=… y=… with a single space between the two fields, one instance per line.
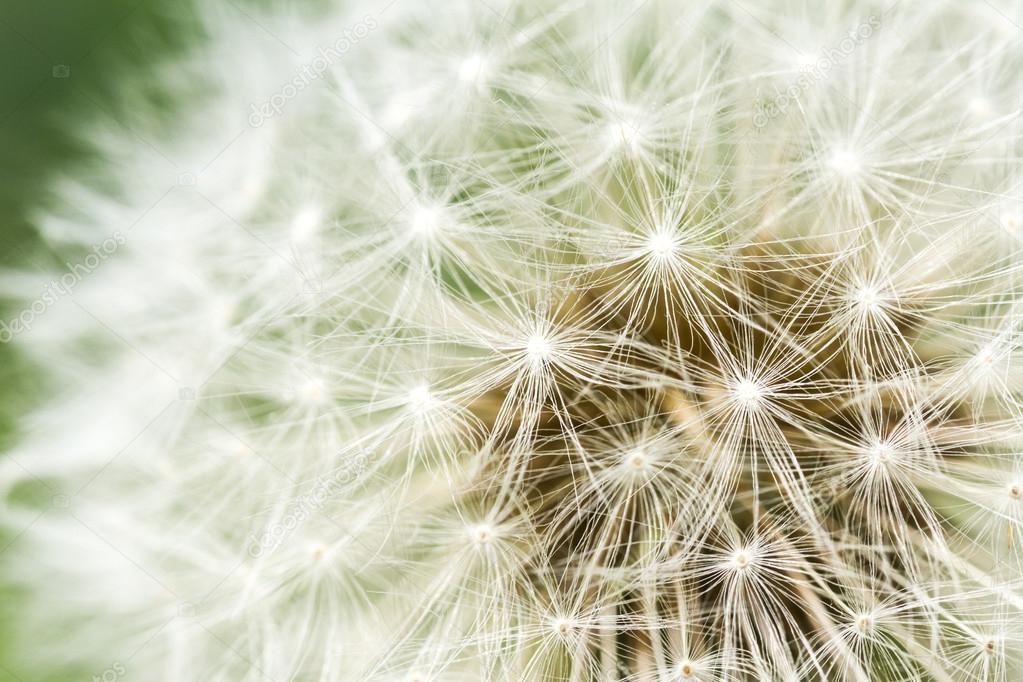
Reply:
x=536 y=342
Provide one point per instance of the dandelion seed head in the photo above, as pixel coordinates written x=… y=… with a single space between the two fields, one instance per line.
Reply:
x=741 y=560
x=625 y=134
x=637 y=459
x=845 y=162
x=421 y=398
x=482 y=534
x=317 y=551
x=1011 y=220
x=312 y=391
x=804 y=59
x=980 y=107
x=305 y=223
x=748 y=393
x=985 y=361
x=425 y=221
x=636 y=464
x=864 y=623
x=562 y=627
x=881 y=454
x=474 y=69
x=539 y=348
x=869 y=298
x=222 y=311
x=232 y=447
x=986 y=356
x=660 y=245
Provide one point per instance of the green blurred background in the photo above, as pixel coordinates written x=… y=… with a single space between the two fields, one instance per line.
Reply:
x=61 y=62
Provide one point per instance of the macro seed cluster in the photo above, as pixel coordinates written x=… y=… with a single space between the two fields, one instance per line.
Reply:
x=538 y=341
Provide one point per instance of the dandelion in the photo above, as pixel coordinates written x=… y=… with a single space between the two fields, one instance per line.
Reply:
x=526 y=344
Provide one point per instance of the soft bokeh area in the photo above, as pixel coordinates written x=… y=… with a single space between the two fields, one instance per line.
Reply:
x=60 y=66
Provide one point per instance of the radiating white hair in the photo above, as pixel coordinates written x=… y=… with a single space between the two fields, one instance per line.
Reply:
x=536 y=341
